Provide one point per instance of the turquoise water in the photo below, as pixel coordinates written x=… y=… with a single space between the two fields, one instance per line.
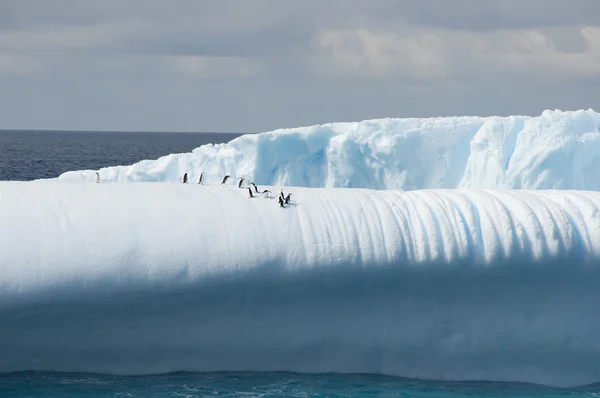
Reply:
x=28 y=384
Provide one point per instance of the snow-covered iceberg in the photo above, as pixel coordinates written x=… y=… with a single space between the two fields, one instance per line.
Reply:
x=438 y=284
x=556 y=150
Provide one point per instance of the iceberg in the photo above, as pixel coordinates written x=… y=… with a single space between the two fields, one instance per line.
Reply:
x=440 y=284
x=556 y=150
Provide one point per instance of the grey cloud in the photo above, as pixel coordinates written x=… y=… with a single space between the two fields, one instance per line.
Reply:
x=482 y=15
x=225 y=28
x=566 y=39
x=33 y=14
x=242 y=15
x=257 y=43
x=240 y=65
x=263 y=27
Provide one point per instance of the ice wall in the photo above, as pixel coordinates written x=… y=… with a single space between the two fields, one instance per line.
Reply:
x=438 y=284
x=557 y=150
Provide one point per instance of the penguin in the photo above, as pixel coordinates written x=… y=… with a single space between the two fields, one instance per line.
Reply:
x=281 y=195
x=225 y=179
x=255 y=187
x=185 y=178
x=201 y=178
x=266 y=193
x=280 y=202
x=97 y=178
x=287 y=199
x=241 y=182
x=250 y=193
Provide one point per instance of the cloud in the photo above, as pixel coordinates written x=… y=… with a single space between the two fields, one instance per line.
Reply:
x=214 y=67
x=487 y=15
x=157 y=59
x=455 y=54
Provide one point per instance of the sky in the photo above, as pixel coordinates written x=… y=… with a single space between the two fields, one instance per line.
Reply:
x=250 y=66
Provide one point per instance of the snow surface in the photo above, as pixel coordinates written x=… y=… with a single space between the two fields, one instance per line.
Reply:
x=437 y=284
x=557 y=150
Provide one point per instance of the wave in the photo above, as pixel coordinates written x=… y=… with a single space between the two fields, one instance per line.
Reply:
x=433 y=284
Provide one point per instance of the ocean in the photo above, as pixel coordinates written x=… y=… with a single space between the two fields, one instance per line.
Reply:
x=225 y=384
x=29 y=155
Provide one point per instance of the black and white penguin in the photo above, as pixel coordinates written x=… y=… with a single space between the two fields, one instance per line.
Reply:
x=280 y=202
x=185 y=178
x=250 y=193
x=266 y=193
x=225 y=179
x=287 y=198
x=281 y=195
x=201 y=178
x=241 y=182
x=255 y=187
x=97 y=178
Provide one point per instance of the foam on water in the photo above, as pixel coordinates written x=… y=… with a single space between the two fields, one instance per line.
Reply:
x=436 y=284
x=556 y=150
x=281 y=384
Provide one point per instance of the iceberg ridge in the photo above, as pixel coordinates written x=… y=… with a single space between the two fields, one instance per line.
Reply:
x=556 y=150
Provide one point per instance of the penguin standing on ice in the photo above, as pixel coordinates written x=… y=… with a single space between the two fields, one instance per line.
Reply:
x=241 y=182
x=185 y=178
x=281 y=195
x=225 y=179
x=287 y=198
x=280 y=202
x=201 y=178
x=250 y=193
x=255 y=187
x=97 y=178
x=266 y=193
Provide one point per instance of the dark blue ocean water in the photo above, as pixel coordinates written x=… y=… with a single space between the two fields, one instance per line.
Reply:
x=28 y=155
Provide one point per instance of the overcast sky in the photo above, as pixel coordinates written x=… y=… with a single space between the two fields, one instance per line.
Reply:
x=257 y=65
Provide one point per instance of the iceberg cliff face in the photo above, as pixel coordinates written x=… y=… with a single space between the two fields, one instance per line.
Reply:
x=438 y=284
x=556 y=150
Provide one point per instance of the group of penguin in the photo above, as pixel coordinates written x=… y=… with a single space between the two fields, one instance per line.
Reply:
x=282 y=199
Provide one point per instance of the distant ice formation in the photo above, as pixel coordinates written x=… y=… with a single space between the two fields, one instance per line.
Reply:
x=436 y=284
x=557 y=150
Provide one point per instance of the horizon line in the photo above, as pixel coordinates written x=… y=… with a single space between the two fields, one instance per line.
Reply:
x=117 y=131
